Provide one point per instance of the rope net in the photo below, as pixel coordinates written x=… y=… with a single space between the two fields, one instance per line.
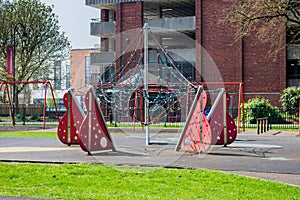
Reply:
x=170 y=88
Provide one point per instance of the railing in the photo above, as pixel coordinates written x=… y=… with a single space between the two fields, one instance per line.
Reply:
x=103 y=28
x=158 y=25
x=174 y=23
x=99 y=2
x=284 y=119
x=33 y=114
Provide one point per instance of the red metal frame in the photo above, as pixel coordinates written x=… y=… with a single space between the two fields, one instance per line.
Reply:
x=241 y=101
x=45 y=83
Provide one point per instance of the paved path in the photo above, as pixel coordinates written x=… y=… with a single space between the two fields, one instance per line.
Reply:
x=272 y=156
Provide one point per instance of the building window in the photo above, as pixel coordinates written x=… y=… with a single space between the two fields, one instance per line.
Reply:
x=293 y=73
x=88 y=70
x=293 y=65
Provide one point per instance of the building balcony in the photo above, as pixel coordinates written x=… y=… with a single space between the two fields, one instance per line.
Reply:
x=108 y=29
x=103 y=29
x=173 y=24
x=99 y=58
x=106 y=4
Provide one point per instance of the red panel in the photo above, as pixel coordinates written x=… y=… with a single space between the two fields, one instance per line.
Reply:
x=191 y=138
x=93 y=133
x=217 y=124
x=68 y=127
x=206 y=129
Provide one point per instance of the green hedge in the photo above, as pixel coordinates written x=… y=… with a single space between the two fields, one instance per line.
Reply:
x=260 y=107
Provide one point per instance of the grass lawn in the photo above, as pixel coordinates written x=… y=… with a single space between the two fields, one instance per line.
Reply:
x=29 y=134
x=94 y=181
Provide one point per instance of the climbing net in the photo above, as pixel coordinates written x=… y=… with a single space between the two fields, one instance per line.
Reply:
x=121 y=86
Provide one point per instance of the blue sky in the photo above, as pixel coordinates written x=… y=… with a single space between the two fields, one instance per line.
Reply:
x=74 y=18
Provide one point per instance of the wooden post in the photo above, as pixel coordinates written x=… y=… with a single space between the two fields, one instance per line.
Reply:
x=262 y=125
x=257 y=124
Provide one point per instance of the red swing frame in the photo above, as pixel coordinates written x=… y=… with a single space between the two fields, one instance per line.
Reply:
x=45 y=83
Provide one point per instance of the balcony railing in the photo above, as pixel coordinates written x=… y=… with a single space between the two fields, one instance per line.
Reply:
x=104 y=29
x=176 y=23
x=108 y=29
x=101 y=2
x=102 y=58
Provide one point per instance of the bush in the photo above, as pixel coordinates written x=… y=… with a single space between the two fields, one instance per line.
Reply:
x=19 y=117
x=290 y=98
x=52 y=117
x=33 y=118
x=260 y=107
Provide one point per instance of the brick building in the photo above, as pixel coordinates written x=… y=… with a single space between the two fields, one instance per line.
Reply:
x=237 y=61
x=80 y=68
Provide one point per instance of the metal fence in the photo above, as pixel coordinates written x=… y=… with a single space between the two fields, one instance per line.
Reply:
x=29 y=115
x=281 y=119
x=33 y=114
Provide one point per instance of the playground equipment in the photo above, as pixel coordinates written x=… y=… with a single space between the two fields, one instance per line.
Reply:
x=235 y=91
x=199 y=133
x=68 y=127
x=88 y=130
x=196 y=129
x=146 y=86
x=221 y=123
x=11 y=106
x=93 y=132
x=218 y=128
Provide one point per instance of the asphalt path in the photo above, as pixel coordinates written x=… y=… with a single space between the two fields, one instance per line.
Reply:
x=274 y=155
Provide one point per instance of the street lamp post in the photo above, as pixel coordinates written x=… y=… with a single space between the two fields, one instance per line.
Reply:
x=24 y=37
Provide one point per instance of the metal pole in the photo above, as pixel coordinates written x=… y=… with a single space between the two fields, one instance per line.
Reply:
x=89 y=115
x=224 y=118
x=214 y=106
x=53 y=98
x=201 y=122
x=146 y=103
x=10 y=104
x=45 y=105
x=239 y=109
x=243 y=107
x=69 y=119
x=299 y=120
x=14 y=78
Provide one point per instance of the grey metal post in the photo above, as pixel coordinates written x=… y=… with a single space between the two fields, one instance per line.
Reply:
x=146 y=100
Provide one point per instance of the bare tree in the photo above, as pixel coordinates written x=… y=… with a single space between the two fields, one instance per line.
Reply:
x=277 y=22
